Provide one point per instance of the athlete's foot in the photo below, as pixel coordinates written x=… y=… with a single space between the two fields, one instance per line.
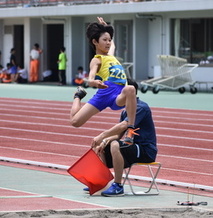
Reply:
x=129 y=137
x=81 y=93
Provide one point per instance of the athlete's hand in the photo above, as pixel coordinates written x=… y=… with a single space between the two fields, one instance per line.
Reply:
x=101 y=21
x=98 y=84
x=101 y=85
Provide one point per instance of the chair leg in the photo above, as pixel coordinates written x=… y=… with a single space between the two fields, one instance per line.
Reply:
x=153 y=179
x=154 y=176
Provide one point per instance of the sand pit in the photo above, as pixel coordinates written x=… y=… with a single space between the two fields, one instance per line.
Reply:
x=115 y=213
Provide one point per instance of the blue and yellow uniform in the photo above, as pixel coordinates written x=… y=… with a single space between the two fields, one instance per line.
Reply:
x=113 y=75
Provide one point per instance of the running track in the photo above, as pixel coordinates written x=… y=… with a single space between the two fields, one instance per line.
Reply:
x=39 y=130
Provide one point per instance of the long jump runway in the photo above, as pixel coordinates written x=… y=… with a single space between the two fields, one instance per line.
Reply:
x=39 y=131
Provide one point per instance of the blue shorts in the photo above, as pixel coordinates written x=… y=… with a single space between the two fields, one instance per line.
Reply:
x=13 y=70
x=107 y=97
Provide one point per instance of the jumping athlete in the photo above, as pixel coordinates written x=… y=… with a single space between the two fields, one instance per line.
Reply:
x=107 y=74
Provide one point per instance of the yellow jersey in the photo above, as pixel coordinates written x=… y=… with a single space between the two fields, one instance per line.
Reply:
x=111 y=70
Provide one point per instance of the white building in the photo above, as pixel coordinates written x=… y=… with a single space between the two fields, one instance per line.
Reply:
x=143 y=30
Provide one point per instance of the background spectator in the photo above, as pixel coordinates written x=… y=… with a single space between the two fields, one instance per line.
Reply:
x=62 y=65
x=80 y=77
x=13 y=65
x=34 y=63
x=5 y=74
x=22 y=75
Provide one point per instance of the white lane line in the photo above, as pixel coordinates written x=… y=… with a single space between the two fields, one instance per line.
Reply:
x=26 y=196
x=57 y=154
x=185 y=158
x=116 y=118
x=99 y=129
x=80 y=145
x=63 y=167
x=86 y=136
x=45 y=132
x=188 y=171
x=45 y=141
x=51 y=103
x=39 y=152
x=186 y=147
x=56 y=197
x=58 y=114
x=102 y=122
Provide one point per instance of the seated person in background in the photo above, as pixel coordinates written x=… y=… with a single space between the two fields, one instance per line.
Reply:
x=47 y=75
x=5 y=74
x=22 y=75
x=80 y=77
x=116 y=154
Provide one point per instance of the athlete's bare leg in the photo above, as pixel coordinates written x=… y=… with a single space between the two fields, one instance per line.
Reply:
x=80 y=115
x=128 y=98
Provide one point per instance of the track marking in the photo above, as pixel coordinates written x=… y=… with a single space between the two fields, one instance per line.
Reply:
x=69 y=104
x=187 y=171
x=63 y=167
x=39 y=152
x=57 y=119
x=191 y=113
x=67 y=199
x=45 y=132
x=109 y=112
x=187 y=138
x=99 y=129
x=62 y=114
x=26 y=196
x=99 y=115
x=185 y=158
x=186 y=147
x=44 y=141
x=16 y=190
x=88 y=146
x=57 y=154
x=86 y=136
x=183 y=118
x=102 y=122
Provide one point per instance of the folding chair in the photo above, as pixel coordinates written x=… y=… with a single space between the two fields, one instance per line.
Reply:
x=153 y=174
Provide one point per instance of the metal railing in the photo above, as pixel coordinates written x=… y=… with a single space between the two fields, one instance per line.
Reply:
x=40 y=3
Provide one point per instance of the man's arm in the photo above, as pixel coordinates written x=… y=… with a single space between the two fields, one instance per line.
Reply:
x=114 y=133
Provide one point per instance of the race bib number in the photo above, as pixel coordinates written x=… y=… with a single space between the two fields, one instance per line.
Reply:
x=117 y=74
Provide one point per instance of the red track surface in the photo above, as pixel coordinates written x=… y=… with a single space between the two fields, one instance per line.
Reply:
x=37 y=202
x=39 y=131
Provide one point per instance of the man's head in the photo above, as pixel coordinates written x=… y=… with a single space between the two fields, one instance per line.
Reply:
x=12 y=51
x=8 y=65
x=36 y=46
x=80 y=69
x=63 y=49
